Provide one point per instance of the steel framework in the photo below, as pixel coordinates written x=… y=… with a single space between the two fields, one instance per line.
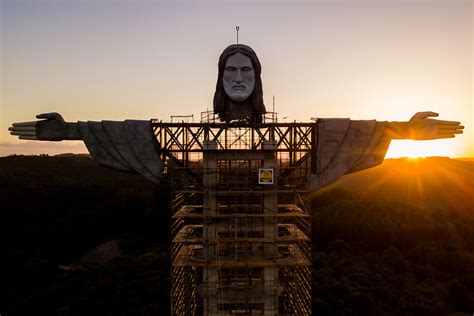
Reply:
x=239 y=246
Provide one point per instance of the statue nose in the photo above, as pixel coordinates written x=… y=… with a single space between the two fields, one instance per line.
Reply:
x=238 y=77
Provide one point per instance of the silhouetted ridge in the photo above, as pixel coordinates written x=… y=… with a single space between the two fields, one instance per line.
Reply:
x=393 y=240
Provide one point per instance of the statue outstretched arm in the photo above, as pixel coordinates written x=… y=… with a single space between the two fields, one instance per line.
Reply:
x=50 y=127
x=344 y=146
x=128 y=146
x=422 y=127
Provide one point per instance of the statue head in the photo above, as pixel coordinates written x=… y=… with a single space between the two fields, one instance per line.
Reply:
x=239 y=93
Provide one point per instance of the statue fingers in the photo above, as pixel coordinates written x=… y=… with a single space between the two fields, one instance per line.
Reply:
x=447 y=123
x=25 y=124
x=22 y=128
x=450 y=127
x=436 y=136
x=449 y=133
x=28 y=137
x=23 y=133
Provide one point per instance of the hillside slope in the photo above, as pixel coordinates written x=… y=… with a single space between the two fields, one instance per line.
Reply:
x=397 y=239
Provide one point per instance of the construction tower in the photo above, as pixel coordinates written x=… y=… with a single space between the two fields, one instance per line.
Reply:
x=241 y=222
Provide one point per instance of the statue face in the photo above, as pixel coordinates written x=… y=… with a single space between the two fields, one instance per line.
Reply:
x=238 y=78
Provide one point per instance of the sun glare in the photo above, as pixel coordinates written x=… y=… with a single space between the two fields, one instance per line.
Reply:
x=420 y=149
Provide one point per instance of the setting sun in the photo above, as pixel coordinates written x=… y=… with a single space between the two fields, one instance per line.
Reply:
x=415 y=149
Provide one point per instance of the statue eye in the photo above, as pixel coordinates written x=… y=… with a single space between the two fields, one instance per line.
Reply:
x=229 y=68
x=247 y=69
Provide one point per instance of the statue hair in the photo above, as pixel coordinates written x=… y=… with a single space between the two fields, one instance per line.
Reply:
x=221 y=100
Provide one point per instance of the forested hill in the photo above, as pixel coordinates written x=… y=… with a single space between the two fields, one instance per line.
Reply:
x=397 y=239
x=423 y=182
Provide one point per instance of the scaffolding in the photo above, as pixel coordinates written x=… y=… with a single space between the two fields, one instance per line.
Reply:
x=211 y=117
x=240 y=246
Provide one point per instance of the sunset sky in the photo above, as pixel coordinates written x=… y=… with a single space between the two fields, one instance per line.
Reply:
x=105 y=59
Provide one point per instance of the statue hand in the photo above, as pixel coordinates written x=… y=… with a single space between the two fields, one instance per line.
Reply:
x=421 y=127
x=52 y=128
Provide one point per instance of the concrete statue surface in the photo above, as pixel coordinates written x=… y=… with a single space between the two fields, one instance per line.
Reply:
x=239 y=91
x=343 y=145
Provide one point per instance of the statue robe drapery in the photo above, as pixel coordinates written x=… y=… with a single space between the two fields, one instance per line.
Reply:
x=128 y=146
x=343 y=146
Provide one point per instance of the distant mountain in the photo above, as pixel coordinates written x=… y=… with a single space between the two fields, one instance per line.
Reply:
x=465 y=159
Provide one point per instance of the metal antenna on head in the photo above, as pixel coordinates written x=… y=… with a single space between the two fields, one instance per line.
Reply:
x=237 y=29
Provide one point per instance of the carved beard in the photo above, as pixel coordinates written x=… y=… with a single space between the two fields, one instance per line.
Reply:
x=241 y=95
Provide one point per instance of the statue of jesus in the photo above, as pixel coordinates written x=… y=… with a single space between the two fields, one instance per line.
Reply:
x=344 y=145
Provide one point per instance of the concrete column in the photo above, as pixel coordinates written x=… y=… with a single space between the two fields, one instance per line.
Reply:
x=210 y=283
x=210 y=275
x=270 y=205
x=210 y=179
